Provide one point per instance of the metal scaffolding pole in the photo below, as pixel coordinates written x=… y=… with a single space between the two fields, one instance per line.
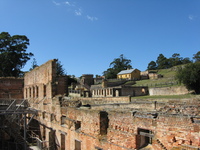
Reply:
x=25 y=146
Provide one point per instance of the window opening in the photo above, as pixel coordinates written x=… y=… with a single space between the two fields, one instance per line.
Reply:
x=77 y=145
x=30 y=92
x=43 y=115
x=77 y=125
x=98 y=148
x=104 y=122
x=62 y=136
x=33 y=91
x=37 y=91
x=144 y=137
x=44 y=133
x=26 y=93
x=45 y=90
x=63 y=120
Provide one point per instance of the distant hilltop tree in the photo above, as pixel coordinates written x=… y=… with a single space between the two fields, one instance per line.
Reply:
x=197 y=57
x=164 y=63
x=117 y=65
x=13 y=55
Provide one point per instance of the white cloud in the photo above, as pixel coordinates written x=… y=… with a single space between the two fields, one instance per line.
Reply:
x=62 y=3
x=57 y=4
x=191 y=17
x=73 y=8
x=67 y=3
x=92 y=18
x=78 y=12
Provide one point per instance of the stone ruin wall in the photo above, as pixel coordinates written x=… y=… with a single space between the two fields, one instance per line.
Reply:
x=104 y=100
x=43 y=82
x=169 y=130
x=42 y=74
x=42 y=78
x=176 y=90
x=173 y=127
x=11 y=88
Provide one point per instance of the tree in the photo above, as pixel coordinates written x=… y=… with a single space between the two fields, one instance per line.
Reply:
x=152 y=66
x=13 y=55
x=189 y=76
x=34 y=64
x=60 y=70
x=117 y=65
x=197 y=56
x=162 y=62
x=186 y=60
x=110 y=73
x=175 y=60
x=71 y=79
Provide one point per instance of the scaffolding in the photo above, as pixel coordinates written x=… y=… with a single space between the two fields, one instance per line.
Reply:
x=14 y=122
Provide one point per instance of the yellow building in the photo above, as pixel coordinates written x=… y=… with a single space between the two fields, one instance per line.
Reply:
x=132 y=74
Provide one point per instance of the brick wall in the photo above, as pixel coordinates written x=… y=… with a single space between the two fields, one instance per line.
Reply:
x=42 y=82
x=171 y=125
x=11 y=88
x=109 y=123
x=167 y=130
x=104 y=100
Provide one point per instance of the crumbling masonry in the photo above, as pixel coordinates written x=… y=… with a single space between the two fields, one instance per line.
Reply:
x=107 y=123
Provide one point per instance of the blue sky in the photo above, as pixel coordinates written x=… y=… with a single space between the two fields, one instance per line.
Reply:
x=86 y=35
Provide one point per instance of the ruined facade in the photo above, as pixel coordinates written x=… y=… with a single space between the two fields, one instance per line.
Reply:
x=108 y=123
x=41 y=85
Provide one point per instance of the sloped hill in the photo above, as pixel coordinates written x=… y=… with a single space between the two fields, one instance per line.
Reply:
x=168 y=79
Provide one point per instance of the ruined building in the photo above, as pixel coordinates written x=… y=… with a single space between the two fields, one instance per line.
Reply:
x=105 y=122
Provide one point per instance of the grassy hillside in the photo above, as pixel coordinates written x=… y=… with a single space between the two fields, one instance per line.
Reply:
x=168 y=79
